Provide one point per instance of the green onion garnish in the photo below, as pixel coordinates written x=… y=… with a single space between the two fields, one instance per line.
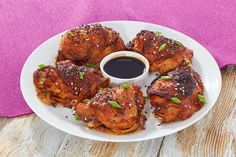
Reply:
x=41 y=66
x=145 y=98
x=187 y=61
x=125 y=85
x=81 y=75
x=163 y=46
x=201 y=98
x=85 y=101
x=177 y=43
x=76 y=116
x=71 y=33
x=114 y=104
x=175 y=100
x=165 y=77
x=158 y=33
x=89 y=65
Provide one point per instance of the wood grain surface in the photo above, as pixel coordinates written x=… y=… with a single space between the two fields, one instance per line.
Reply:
x=212 y=136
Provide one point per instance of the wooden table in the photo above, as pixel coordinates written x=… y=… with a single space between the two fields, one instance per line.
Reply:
x=214 y=135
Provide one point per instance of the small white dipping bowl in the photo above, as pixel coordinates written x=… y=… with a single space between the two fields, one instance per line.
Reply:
x=115 y=81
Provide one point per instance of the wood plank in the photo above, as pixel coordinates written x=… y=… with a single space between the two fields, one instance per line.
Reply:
x=215 y=134
x=74 y=146
x=28 y=136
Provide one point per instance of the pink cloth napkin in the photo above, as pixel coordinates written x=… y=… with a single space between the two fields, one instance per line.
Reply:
x=25 y=24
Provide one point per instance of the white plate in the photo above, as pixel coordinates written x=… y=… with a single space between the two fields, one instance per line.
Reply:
x=203 y=63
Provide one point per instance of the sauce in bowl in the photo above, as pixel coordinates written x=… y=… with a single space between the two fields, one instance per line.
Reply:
x=125 y=67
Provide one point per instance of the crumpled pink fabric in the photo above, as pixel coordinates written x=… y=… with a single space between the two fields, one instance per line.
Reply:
x=25 y=24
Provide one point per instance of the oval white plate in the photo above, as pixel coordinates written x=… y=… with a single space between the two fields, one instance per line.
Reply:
x=203 y=63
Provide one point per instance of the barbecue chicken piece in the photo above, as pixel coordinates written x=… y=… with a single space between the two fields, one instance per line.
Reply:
x=89 y=44
x=67 y=84
x=114 y=110
x=176 y=96
x=162 y=53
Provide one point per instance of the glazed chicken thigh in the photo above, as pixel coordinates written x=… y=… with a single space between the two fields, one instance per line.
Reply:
x=67 y=84
x=88 y=44
x=114 y=110
x=162 y=53
x=176 y=96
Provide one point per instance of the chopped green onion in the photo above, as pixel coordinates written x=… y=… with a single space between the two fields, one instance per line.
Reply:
x=175 y=100
x=158 y=33
x=41 y=66
x=201 y=98
x=165 y=77
x=145 y=98
x=163 y=46
x=177 y=43
x=187 y=61
x=76 y=116
x=89 y=65
x=125 y=85
x=114 y=104
x=85 y=101
x=71 y=33
x=81 y=75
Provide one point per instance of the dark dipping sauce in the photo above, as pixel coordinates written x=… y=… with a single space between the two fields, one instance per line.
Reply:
x=124 y=67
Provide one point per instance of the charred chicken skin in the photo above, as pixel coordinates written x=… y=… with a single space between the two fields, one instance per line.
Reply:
x=114 y=110
x=67 y=84
x=162 y=53
x=176 y=96
x=88 y=44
